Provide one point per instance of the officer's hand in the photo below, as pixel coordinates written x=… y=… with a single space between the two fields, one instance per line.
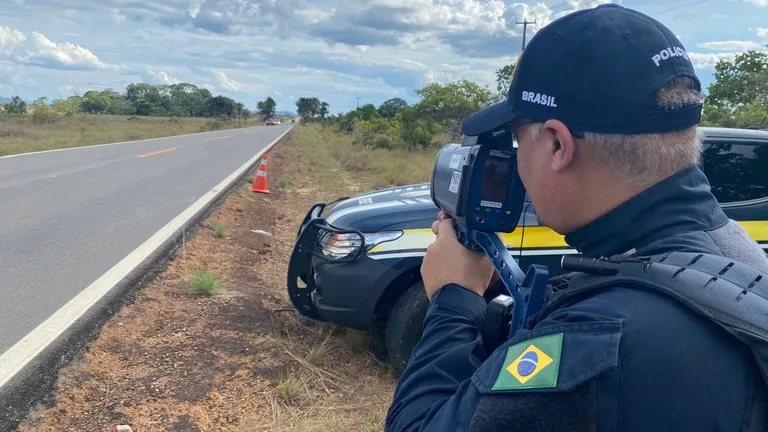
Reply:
x=448 y=261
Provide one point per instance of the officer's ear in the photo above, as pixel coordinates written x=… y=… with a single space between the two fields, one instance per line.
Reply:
x=562 y=145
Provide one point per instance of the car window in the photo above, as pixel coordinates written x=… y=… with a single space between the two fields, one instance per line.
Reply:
x=737 y=171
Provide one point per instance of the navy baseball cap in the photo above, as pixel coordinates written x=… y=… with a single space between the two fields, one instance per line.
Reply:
x=596 y=70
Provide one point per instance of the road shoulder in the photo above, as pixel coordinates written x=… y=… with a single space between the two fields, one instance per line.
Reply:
x=241 y=359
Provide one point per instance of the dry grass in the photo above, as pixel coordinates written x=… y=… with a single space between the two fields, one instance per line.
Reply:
x=241 y=360
x=19 y=135
x=322 y=148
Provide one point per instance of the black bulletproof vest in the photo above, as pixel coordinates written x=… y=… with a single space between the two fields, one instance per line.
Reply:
x=727 y=292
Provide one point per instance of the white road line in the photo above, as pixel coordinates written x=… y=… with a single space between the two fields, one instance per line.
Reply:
x=24 y=351
x=126 y=142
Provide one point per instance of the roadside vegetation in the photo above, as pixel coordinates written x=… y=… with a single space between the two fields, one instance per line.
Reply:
x=141 y=99
x=18 y=134
x=141 y=111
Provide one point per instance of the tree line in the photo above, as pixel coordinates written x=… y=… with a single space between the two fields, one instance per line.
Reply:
x=738 y=97
x=395 y=123
x=141 y=99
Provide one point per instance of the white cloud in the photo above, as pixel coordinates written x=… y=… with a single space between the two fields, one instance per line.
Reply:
x=226 y=82
x=313 y=15
x=37 y=49
x=730 y=45
x=9 y=39
x=709 y=60
x=67 y=88
x=194 y=7
x=162 y=76
x=762 y=33
x=379 y=61
x=117 y=16
x=760 y=3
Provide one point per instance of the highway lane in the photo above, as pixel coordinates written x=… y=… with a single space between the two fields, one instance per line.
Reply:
x=66 y=217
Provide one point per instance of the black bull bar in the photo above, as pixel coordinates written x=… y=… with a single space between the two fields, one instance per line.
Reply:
x=307 y=247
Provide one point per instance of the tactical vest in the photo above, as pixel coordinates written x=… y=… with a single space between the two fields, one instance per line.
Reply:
x=727 y=292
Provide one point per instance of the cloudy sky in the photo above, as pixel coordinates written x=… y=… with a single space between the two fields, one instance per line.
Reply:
x=337 y=50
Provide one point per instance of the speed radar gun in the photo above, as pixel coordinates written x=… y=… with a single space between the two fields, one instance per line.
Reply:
x=478 y=185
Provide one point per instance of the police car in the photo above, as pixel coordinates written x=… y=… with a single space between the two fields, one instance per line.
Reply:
x=356 y=260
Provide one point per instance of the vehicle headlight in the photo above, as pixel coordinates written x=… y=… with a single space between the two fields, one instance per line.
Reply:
x=339 y=246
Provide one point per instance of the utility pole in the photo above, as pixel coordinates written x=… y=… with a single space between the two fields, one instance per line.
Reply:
x=525 y=23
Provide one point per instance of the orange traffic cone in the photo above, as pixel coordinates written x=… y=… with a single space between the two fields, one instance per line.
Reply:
x=260 y=179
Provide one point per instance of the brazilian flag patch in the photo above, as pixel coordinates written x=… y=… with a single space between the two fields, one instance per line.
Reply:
x=533 y=363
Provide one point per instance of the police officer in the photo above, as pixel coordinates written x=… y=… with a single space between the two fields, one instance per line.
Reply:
x=604 y=106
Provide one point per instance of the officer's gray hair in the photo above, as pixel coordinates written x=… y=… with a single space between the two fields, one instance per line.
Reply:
x=641 y=160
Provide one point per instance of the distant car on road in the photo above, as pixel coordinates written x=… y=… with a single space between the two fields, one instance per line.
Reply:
x=358 y=265
x=272 y=122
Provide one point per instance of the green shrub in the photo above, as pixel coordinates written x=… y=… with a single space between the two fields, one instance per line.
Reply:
x=212 y=126
x=417 y=131
x=44 y=115
x=377 y=133
x=417 y=135
x=219 y=229
x=205 y=283
x=349 y=122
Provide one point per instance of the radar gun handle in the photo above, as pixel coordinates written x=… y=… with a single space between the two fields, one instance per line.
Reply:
x=527 y=289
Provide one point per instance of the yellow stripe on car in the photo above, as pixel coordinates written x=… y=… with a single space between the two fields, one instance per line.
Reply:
x=418 y=239
x=758 y=230
x=535 y=237
x=411 y=239
x=541 y=237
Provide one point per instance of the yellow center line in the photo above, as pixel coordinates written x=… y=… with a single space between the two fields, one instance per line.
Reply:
x=157 y=152
x=224 y=137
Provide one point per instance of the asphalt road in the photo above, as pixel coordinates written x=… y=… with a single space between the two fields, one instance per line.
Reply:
x=66 y=217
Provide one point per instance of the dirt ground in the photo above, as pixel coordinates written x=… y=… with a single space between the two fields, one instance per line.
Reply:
x=241 y=359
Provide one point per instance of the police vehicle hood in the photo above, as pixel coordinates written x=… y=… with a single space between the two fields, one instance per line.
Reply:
x=403 y=207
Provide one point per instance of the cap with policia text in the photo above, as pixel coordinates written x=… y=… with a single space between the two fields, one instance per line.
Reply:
x=596 y=70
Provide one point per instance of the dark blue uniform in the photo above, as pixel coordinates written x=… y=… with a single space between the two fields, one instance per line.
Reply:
x=618 y=359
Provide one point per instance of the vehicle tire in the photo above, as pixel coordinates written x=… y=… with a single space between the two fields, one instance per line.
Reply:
x=405 y=325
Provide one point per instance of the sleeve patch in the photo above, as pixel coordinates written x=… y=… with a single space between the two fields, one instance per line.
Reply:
x=533 y=363
x=555 y=358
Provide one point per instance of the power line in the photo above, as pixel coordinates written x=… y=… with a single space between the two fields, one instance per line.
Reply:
x=679 y=7
x=525 y=28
